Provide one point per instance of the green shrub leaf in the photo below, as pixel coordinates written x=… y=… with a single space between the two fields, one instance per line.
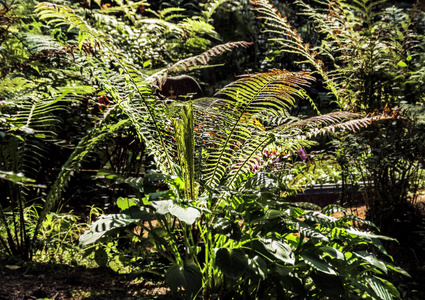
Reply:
x=317 y=263
x=232 y=262
x=279 y=249
x=378 y=287
x=107 y=223
x=187 y=276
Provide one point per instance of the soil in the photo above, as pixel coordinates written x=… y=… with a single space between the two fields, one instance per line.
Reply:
x=44 y=281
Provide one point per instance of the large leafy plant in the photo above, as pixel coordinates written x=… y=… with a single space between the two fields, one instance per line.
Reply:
x=206 y=152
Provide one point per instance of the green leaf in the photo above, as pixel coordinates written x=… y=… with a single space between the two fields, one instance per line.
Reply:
x=390 y=287
x=110 y=222
x=397 y=269
x=187 y=215
x=333 y=252
x=232 y=262
x=402 y=64
x=409 y=58
x=317 y=263
x=227 y=228
x=258 y=267
x=124 y=203
x=333 y=208
x=367 y=234
x=188 y=277
x=101 y=257
x=278 y=249
x=372 y=260
x=378 y=287
x=348 y=218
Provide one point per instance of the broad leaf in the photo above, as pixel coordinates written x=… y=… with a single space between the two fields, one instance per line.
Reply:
x=378 y=287
x=333 y=252
x=367 y=234
x=187 y=276
x=227 y=228
x=125 y=203
x=187 y=215
x=372 y=260
x=279 y=249
x=107 y=223
x=317 y=263
x=101 y=257
x=232 y=262
x=258 y=267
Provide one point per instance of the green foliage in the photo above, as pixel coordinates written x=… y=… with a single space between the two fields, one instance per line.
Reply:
x=208 y=210
x=371 y=52
x=280 y=246
x=387 y=158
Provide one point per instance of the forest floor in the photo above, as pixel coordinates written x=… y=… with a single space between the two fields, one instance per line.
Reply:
x=60 y=282
x=32 y=280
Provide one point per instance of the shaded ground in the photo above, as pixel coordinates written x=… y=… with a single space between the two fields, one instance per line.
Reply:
x=39 y=281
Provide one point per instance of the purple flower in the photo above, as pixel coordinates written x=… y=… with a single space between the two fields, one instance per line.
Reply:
x=302 y=154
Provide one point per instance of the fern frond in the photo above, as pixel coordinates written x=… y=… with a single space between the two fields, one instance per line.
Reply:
x=159 y=78
x=13 y=85
x=352 y=125
x=290 y=40
x=86 y=146
x=204 y=58
x=238 y=141
x=146 y=120
x=210 y=8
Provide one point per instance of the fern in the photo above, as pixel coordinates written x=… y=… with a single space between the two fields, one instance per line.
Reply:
x=290 y=41
x=159 y=78
x=210 y=8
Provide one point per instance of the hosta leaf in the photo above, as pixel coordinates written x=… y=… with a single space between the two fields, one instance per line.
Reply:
x=258 y=266
x=187 y=276
x=377 y=243
x=390 y=287
x=317 y=263
x=227 y=228
x=310 y=232
x=187 y=215
x=330 y=285
x=367 y=234
x=161 y=207
x=101 y=257
x=320 y=218
x=124 y=203
x=273 y=214
x=348 y=218
x=107 y=223
x=278 y=249
x=333 y=208
x=378 y=287
x=333 y=252
x=232 y=262
x=372 y=260
x=397 y=269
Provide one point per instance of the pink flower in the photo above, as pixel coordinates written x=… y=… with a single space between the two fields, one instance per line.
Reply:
x=302 y=154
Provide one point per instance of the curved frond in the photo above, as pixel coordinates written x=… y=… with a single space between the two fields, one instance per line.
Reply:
x=237 y=138
x=160 y=77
